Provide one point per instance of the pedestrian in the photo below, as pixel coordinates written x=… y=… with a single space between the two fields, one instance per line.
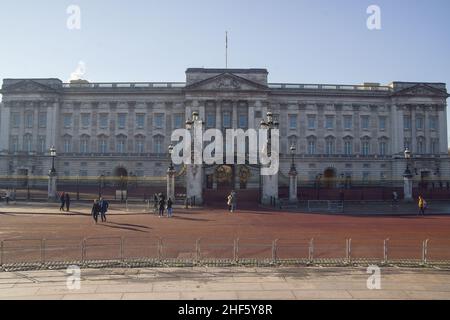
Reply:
x=425 y=206
x=233 y=201
x=162 y=204
x=7 y=196
x=394 y=199
x=95 y=210
x=104 y=205
x=67 y=202
x=155 y=203
x=62 y=198
x=421 y=206
x=229 y=199
x=169 y=208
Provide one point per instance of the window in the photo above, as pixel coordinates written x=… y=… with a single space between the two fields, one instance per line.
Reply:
x=27 y=142
x=365 y=122
x=41 y=144
x=329 y=122
x=383 y=146
x=420 y=145
x=348 y=122
x=382 y=123
x=140 y=121
x=178 y=121
x=419 y=123
x=407 y=122
x=292 y=121
x=85 y=120
x=84 y=144
x=210 y=120
x=434 y=146
x=67 y=144
x=159 y=120
x=29 y=120
x=348 y=147
x=158 y=144
x=83 y=173
x=311 y=122
x=103 y=145
x=433 y=123
x=139 y=145
x=121 y=120
x=226 y=120
x=311 y=146
x=15 y=117
x=366 y=177
x=42 y=120
x=67 y=119
x=365 y=147
x=120 y=145
x=103 y=121
x=14 y=144
x=329 y=146
x=407 y=144
x=243 y=123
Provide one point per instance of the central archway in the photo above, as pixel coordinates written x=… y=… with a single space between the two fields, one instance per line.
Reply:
x=329 y=177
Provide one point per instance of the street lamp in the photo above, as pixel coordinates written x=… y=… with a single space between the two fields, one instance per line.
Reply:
x=293 y=169
x=269 y=124
x=171 y=167
x=407 y=178
x=53 y=155
x=100 y=184
x=407 y=158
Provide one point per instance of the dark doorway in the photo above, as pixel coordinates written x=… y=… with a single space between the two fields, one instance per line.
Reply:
x=224 y=176
x=329 y=177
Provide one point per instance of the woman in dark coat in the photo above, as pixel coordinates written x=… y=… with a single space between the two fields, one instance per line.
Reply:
x=95 y=210
x=63 y=201
x=67 y=202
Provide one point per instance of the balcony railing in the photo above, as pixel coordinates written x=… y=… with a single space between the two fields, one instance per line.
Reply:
x=290 y=86
x=126 y=85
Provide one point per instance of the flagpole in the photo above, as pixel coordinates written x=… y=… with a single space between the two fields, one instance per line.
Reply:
x=226 y=49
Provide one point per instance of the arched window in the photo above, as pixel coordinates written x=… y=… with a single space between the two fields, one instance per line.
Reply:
x=121 y=144
x=383 y=146
x=27 y=142
x=84 y=144
x=139 y=146
x=311 y=145
x=365 y=146
x=421 y=147
x=348 y=146
x=158 y=144
x=67 y=144
x=102 y=144
x=329 y=146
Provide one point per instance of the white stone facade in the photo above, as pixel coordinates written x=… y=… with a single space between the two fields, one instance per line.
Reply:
x=355 y=132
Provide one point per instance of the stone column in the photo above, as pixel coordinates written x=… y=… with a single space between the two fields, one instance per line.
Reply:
x=293 y=186
x=171 y=183
x=269 y=189
x=443 y=138
x=4 y=126
x=194 y=172
x=408 y=188
x=52 y=186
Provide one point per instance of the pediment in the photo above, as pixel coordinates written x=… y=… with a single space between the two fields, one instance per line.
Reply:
x=226 y=82
x=28 y=86
x=422 y=90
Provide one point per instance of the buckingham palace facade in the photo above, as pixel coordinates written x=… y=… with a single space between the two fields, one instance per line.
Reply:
x=343 y=134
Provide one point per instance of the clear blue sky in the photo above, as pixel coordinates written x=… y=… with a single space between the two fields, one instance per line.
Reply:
x=316 y=41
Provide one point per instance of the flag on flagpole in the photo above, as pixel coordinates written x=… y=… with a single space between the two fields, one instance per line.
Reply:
x=226 y=49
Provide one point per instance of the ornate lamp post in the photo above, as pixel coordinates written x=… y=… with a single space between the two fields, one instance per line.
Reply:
x=269 y=182
x=293 y=178
x=194 y=174
x=171 y=177
x=101 y=181
x=407 y=178
x=52 y=177
x=318 y=180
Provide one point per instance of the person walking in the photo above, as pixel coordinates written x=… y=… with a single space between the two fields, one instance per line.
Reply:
x=421 y=204
x=67 y=202
x=155 y=203
x=104 y=205
x=62 y=198
x=229 y=200
x=394 y=199
x=8 y=196
x=95 y=210
x=162 y=204
x=169 y=208
x=233 y=201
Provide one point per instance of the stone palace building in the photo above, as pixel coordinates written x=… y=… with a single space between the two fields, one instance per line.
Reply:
x=345 y=135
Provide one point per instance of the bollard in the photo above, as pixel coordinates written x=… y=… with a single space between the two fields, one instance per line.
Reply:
x=121 y=248
x=197 y=250
x=311 y=250
x=236 y=250
x=385 y=250
x=425 y=251
x=349 y=250
x=43 y=251
x=274 y=250
x=83 y=250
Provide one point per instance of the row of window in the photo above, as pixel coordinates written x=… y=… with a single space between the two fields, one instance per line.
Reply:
x=420 y=123
x=29 y=119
